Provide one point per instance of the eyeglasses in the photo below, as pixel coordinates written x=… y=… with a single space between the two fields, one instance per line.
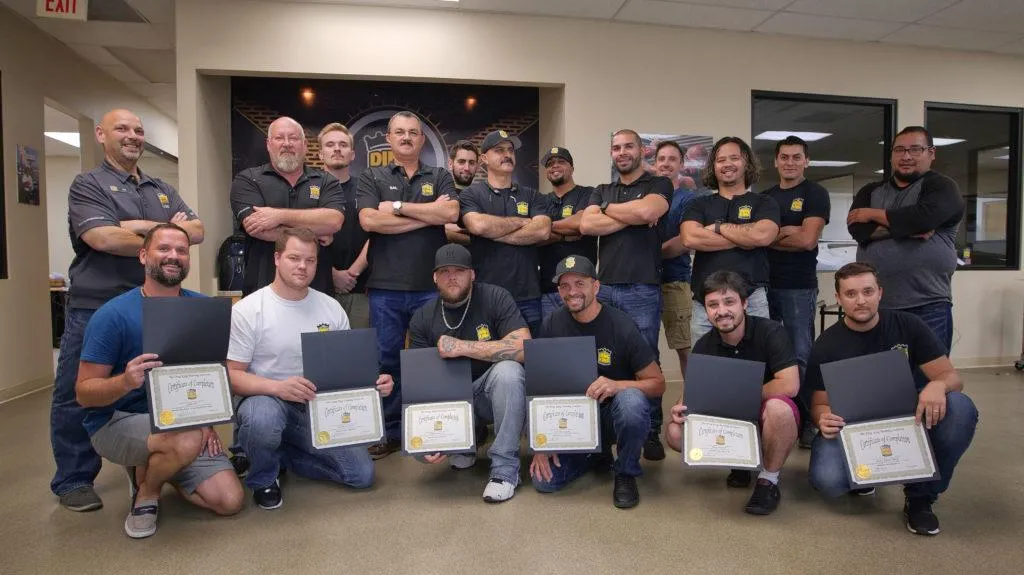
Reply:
x=915 y=151
x=402 y=133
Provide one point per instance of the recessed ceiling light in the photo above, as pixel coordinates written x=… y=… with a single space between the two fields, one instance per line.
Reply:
x=776 y=135
x=829 y=163
x=947 y=141
x=70 y=138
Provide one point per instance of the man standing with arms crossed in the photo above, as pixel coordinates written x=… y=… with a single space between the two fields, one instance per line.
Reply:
x=463 y=160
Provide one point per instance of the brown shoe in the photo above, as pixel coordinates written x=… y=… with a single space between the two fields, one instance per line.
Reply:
x=383 y=449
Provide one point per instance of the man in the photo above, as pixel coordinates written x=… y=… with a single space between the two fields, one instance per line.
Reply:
x=906 y=227
x=110 y=383
x=265 y=366
x=110 y=210
x=281 y=194
x=731 y=228
x=506 y=223
x=676 y=295
x=949 y=416
x=628 y=375
x=793 y=258
x=348 y=250
x=463 y=159
x=404 y=206
x=625 y=215
x=481 y=322
x=565 y=208
x=739 y=335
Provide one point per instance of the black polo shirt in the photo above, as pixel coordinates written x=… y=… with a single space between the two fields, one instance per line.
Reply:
x=106 y=196
x=621 y=350
x=262 y=186
x=349 y=240
x=797 y=270
x=403 y=262
x=745 y=208
x=631 y=255
x=492 y=315
x=895 y=330
x=511 y=267
x=763 y=340
x=573 y=202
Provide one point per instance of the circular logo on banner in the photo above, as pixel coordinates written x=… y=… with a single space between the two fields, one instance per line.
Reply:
x=372 y=149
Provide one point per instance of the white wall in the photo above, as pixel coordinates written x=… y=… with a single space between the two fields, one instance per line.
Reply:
x=609 y=83
x=60 y=172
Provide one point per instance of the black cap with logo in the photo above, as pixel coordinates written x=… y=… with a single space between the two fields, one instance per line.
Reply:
x=453 y=255
x=496 y=137
x=576 y=265
x=557 y=152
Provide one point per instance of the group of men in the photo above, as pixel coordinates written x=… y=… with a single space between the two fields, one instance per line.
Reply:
x=612 y=262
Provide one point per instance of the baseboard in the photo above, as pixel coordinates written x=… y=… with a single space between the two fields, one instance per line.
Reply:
x=25 y=388
x=972 y=362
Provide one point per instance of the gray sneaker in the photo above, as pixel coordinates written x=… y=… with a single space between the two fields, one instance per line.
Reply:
x=141 y=521
x=83 y=498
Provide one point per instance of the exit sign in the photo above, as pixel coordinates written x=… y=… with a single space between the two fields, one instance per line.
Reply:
x=66 y=9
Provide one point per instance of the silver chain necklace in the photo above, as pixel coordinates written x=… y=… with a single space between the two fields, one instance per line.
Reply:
x=464 y=312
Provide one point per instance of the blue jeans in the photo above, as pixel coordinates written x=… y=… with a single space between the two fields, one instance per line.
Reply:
x=757 y=305
x=499 y=397
x=625 y=418
x=939 y=317
x=531 y=310
x=642 y=302
x=390 y=312
x=794 y=309
x=950 y=439
x=275 y=433
x=549 y=302
x=77 y=462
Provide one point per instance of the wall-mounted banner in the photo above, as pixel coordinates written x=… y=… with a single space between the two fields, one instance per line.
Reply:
x=28 y=175
x=695 y=157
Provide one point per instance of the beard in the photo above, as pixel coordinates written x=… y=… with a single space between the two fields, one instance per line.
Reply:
x=453 y=296
x=156 y=272
x=463 y=180
x=633 y=165
x=286 y=162
x=736 y=324
x=557 y=181
x=908 y=178
x=577 y=305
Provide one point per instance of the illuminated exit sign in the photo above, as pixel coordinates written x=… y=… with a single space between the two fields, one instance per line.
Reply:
x=66 y=9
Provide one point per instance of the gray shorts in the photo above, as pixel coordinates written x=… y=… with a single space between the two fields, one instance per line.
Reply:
x=123 y=441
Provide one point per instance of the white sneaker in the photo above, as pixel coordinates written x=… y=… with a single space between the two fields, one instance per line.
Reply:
x=462 y=460
x=498 y=491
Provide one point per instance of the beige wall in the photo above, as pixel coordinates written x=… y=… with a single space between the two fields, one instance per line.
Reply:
x=60 y=172
x=610 y=81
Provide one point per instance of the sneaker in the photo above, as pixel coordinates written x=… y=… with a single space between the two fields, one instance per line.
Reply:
x=498 y=490
x=241 y=464
x=83 y=498
x=141 y=521
x=863 y=492
x=807 y=433
x=653 y=450
x=625 y=495
x=739 y=478
x=920 y=518
x=383 y=449
x=765 y=498
x=133 y=485
x=269 y=497
x=462 y=460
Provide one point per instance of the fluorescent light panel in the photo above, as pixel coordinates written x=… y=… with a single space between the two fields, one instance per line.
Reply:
x=947 y=141
x=1006 y=157
x=776 y=135
x=70 y=138
x=879 y=171
x=829 y=163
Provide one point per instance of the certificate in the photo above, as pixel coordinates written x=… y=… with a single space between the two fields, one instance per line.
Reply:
x=719 y=442
x=888 y=451
x=188 y=396
x=348 y=417
x=564 y=423
x=438 y=427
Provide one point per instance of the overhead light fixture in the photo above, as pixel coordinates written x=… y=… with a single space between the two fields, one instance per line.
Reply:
x=776 y=135
x=946 y=141
x=308 y=96
x=455 y=1
x=470 y=103
x=829 y=163
x=879 y=171
x=69 y=138
x=1006 y=157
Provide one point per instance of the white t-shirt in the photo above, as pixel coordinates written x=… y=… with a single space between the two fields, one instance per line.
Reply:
x=265 y=330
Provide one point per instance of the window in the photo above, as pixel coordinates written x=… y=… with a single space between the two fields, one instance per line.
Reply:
x=979 y=147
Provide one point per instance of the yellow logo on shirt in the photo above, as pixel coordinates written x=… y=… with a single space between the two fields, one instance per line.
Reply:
x=427 y=190
x=164 y=201
x=314 y=192
x=604 y=356
x=523 y=208
x=566 y=211
x=903 y=347
x=797 y=205
x=745 y=212
x=483 y=333
x=323 y=327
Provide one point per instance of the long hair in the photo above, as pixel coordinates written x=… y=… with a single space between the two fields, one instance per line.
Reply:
x=750 y=173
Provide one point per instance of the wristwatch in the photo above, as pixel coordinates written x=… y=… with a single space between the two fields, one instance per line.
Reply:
x=604 y=206
x=718 y=228
x=396 y=208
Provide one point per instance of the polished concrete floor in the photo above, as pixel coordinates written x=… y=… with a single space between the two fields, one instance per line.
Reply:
x=425 y=519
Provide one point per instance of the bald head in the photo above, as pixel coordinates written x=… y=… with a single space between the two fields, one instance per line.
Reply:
x=121 y=134
x=286 y=145
x=283 y=123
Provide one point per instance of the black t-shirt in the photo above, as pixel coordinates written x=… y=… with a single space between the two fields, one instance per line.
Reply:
x=797 y=270
x=263 y=186
x=403 y=262
x=631 y=255
x=511 y=267
x=349 y=240
x=573 y=202
x=492 y=315
x=895 y=330
x=747 y=208
x=763 y=340
x=621 y=350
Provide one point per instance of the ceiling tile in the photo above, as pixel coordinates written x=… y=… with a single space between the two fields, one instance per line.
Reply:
x=828 y=27
x=898 y=11
x=96 y=54
x=123 y=73
x=772 y=5
x=146 y=36
x=987 y=15
x=692 y=15
x=954 y=38
x=154 y=65
x=155 y=11
x=602 y=9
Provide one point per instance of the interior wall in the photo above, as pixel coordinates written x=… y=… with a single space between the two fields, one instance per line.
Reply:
x=608 y=84
x=60 y=172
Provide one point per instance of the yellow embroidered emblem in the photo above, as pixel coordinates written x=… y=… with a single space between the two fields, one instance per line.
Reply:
x=745 y=212
x=604 y=356
x=566 y=211
x=483 y=333
x=314 y=192
x=570 y=262
x=523 y=208
x=427 y=190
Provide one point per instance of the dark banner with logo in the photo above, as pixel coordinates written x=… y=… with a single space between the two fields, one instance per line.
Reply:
x=449 y=112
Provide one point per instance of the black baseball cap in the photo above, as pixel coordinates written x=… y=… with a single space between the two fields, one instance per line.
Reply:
x=557 y=152
x=453 y=255
x=498 y=136
x=574 y=264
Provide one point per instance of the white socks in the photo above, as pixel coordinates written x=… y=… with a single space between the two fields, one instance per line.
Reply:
x=772 y=476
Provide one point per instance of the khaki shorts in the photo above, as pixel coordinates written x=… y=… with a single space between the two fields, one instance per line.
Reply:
x=677 y=307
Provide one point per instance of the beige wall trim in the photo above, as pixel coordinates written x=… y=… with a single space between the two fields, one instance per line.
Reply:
x=25 y=388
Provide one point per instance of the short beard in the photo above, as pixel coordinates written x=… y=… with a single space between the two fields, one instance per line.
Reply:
x=735 y=325
x=157 y=273
x=464 y=182
x=287 y=164
x=459 y=299
x=557 y=181
x=632 y=166
x=908 y=178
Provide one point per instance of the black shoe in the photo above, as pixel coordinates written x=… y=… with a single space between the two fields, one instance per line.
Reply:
x=765 y=498
x=241 y=464
x=919 y=516
x=864 y=492
x=383 y=449
x=807 y=434
x=83 y=498
x=739 y=478
x=653 y=450
x=625 y=494
x=481 y=434
x=269 y=497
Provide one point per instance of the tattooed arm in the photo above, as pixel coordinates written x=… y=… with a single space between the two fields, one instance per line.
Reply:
x=509 y=347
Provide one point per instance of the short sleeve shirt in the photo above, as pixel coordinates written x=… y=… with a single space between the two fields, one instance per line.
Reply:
x=349 y=240
x=763 y=340
x=631 y=255
x=573 y=202
x=621 y=352
x=677 y=269
x=797 y=270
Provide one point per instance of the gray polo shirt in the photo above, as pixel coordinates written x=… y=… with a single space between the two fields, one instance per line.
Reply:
x=106 y=196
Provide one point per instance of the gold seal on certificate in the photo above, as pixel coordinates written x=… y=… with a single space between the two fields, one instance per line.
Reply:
x=187 y=396
x=564 y=423
x=438 y=427
x=348 y=417
x=719 y=442
x=888 y=451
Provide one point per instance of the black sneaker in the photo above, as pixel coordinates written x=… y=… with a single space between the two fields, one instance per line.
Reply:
x=653 y=450
x=625 y=494
x=919 y=516
x=481 y=434
x=863 y=492
x=383 y=449
x=739 y=478
x=269 y=497
x=765 y=498
x=241 y=464
x=807 y=433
